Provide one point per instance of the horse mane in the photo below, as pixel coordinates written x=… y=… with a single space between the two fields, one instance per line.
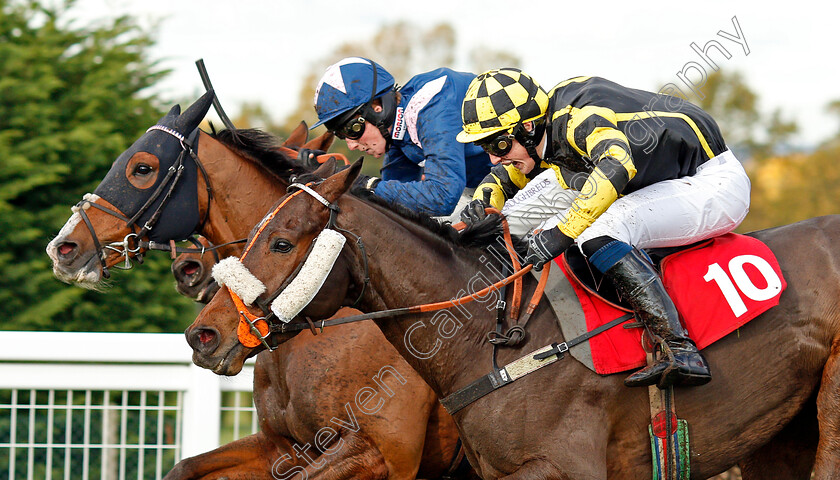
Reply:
x=262 y=148
x=475 y=236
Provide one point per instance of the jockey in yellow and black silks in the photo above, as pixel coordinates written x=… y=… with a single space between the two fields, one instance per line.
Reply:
x=647 y=171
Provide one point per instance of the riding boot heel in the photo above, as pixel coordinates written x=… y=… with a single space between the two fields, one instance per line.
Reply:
x=638 y=282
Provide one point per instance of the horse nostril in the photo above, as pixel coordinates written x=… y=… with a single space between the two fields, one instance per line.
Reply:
x=202 y=339
x=66 y=248
x=190 y=268
x=206 y=336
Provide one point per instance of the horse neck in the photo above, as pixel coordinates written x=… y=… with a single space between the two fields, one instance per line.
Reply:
x=242 y=192
x=410 y=265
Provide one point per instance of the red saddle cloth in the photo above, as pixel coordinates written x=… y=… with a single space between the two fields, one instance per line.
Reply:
x=717 y=286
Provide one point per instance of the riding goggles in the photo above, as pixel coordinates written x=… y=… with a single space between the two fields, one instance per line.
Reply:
x=497 y=145
x=350 y=125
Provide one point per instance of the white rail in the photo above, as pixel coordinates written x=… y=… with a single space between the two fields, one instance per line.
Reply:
x=111 y=405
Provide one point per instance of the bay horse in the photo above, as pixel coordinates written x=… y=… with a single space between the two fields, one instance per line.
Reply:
x=562 y=421
x=192 y=272
x=304 y=390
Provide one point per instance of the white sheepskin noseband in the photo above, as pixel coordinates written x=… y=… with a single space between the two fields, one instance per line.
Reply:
x=297 y=295
x=238 y=279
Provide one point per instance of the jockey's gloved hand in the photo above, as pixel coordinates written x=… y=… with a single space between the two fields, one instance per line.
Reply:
x=474 y=212
x=363 y=185
x=309 y=158
x=545 y=246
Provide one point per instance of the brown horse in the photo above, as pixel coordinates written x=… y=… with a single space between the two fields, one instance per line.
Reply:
x=563 y=421
x=307 y=392
x=192 y=272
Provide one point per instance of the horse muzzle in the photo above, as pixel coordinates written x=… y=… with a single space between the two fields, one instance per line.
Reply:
x=193 y=280
x=70 y=265
x=210 y=353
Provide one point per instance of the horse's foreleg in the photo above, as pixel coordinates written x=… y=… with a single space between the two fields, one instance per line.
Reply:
x=790 y=454
x=353 y=455
x=247 y=458
x=827 y=464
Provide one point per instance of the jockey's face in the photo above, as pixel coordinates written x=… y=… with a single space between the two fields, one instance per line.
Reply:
x=371 y=142
x=518 y=157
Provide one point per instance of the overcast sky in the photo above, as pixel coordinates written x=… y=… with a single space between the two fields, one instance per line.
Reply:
x=258 y=50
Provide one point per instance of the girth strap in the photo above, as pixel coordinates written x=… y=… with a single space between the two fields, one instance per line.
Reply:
x=519 y=368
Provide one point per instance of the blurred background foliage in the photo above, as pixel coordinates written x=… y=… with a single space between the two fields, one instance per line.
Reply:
x=73 y=97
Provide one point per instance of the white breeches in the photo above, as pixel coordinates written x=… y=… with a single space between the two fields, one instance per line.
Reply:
x=669 y=213
x=711 y=202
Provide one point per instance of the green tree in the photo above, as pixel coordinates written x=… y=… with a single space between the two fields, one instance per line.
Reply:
x=71 y=99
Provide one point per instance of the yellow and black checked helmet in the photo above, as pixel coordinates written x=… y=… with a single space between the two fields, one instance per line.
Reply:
x=499 y=100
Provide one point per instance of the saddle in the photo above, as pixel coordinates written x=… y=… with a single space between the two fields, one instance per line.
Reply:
x=599 y=285
x=706 y=281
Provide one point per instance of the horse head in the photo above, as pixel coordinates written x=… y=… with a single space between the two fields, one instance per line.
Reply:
x=285 y=272
x=192 y=270
x=159 y=189
x=159 y=170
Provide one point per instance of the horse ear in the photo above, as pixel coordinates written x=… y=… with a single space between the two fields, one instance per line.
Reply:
x=174 y=111
x=298 y=137
x=334 y=186
x=189 y=120
x=322 y=142
x=326 y=169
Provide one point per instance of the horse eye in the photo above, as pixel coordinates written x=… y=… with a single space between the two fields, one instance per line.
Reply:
x=282 y=246
x=142 y=169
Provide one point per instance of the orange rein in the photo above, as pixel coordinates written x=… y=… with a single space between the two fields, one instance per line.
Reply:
x=254 y=330
x=516 y=278
x=431 y=307
x=516 y=299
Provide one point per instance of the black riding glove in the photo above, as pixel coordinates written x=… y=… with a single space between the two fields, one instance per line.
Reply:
x=545 y=246
x=363 y=185
x=474 y=212
x=309 y=158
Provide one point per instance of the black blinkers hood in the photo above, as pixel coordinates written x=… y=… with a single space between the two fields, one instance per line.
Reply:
x=180 y=216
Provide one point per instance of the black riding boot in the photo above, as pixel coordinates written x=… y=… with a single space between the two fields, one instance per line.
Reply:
x=638 y=282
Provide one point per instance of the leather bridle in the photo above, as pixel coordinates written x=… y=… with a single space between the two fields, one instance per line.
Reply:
x=252 y=332
x=131 y=246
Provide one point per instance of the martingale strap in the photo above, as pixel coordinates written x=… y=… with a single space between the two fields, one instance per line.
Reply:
x=519 y=368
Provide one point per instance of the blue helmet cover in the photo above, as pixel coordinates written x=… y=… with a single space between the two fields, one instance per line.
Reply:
x=180 y=215
x=349 y=84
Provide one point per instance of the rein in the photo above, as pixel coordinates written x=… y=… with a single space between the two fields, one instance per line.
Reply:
x=254 y=330
x=166 y=187
x=199 y=248
x=515 y=278
x=398 y=312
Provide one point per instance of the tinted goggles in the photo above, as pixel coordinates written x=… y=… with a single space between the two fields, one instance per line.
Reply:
x=354 y=129
x=350 y=125
x=497 y=145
